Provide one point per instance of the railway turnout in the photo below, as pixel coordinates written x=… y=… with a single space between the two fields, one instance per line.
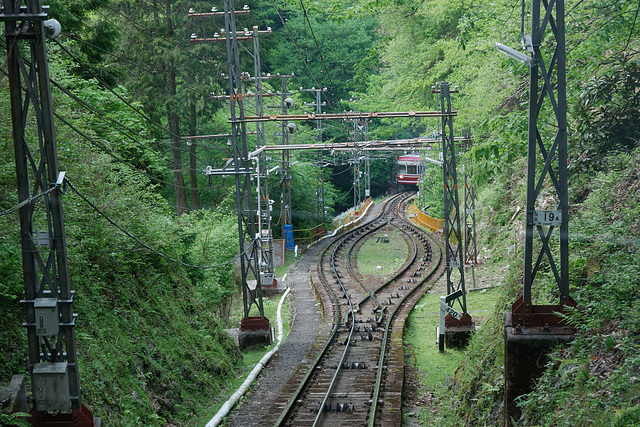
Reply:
x=353 y=374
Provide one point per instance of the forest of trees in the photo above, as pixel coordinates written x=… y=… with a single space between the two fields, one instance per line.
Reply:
x=128 y=87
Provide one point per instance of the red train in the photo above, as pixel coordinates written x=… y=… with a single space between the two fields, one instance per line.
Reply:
x=409 y=169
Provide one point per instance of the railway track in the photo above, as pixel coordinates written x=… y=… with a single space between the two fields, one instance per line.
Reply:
x=356 y=375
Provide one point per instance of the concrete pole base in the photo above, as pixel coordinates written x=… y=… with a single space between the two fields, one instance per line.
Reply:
x=458 y=332
x=255 y=332
x=526 y=350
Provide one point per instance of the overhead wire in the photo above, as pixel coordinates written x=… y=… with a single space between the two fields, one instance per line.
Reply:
x=121 y=160
x=130 y=62
x=154 y=34
x=306 y=16
x=121 y=98
x=102 y=146
x=27 y=201
x=284 y=23
x=141 y=243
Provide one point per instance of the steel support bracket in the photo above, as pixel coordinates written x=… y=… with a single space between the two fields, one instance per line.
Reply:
x=524 y=314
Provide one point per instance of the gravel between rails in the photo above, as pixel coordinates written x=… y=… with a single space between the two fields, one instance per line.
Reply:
x=306 y=320
x=257 y=407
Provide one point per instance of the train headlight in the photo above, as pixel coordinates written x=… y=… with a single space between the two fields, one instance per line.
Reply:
x=401 y=176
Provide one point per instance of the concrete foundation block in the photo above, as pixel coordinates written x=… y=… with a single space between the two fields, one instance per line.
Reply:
x=526 y=351
x=255 y=331
x=13 y=397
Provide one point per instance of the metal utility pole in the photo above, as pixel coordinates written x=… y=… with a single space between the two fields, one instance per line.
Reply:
x=367 y=159
x=253 y=257
x=470 y=246
x=356 y=179
x=320 y=201
x=547 y=147
x=247 y=229
x=242 y=168
x=48 y=299
x=459 y=327
x=264 y=203
x=531 y=331
x=285 y=196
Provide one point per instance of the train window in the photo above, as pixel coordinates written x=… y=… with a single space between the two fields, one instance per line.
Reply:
x=402 y=168
x=412 y=169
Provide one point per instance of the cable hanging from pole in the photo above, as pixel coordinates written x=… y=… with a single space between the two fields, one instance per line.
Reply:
x=141 y=243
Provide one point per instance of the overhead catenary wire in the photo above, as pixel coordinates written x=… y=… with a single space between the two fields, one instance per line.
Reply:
x=306 y=16
x=103 y=147
x=154 y=34
x=284 y=23
x=121 y=98
x=141 y=243
x=130 y=62
x=27 y=201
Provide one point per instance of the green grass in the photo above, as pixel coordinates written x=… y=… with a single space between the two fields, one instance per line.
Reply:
x=289 y=259
x=390 y=256
x=420 y=334
x=250 y=357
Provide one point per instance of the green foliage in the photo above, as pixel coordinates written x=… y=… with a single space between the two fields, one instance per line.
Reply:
x=594 y=382
x=150 y=340
x=607 y=114
x=342 y=46
x=431 y=200
x=15 y=420
x=390 y=255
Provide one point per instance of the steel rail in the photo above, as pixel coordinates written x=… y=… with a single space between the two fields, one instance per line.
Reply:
x=351 y=313
x=391 y=318
x=316 y=362
x=348 y=342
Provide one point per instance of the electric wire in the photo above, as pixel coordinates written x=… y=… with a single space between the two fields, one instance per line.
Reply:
x=130 y=62
x=306 y=16
x=26 y=201
x=123 y=161
x=141 y=243
x=121 y=98
x=153 y=33
x=114 y=156
x=299 y=52
x=108 y=151
x=635 y=19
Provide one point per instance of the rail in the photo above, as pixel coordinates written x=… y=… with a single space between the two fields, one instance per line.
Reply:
x=423 y=219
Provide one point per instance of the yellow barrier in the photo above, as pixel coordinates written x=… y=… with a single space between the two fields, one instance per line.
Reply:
x=423 y=219
x=309 y=235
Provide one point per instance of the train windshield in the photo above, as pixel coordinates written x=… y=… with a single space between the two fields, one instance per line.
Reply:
x=412 y=169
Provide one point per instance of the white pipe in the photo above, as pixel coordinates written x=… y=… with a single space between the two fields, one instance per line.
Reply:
x=258 y=151
x=344 y=225
x=229 y=404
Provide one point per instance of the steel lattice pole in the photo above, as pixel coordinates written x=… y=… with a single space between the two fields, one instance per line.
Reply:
x=48 y=298
x=453 y=236
x=244 y=199
x=548 y=155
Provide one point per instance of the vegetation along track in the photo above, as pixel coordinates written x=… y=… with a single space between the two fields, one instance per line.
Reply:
x=356 y=378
